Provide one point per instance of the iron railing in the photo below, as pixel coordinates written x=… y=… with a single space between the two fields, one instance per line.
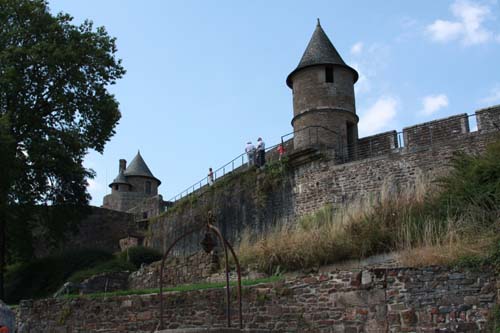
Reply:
x=227 y=168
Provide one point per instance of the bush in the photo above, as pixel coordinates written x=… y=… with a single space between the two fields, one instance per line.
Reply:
x=139 y=255
x=473 y=185
x=42 y=277
x=115 y=265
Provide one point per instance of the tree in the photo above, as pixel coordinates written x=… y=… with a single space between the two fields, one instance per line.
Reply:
x=54 y=107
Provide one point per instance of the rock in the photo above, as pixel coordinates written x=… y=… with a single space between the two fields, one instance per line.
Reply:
x=105 y=282
x=67 y=288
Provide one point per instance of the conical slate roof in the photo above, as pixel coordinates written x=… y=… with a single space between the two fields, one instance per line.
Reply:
x=320 y=51
x=139 y=168
x=120 y=179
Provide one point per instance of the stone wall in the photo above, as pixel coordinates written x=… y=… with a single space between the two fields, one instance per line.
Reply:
x=248 y=200
x=488 y=119
x=101 y=229
x=180 y=270
x=377 y=300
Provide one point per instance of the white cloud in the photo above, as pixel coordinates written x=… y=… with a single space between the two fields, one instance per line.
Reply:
x=363 y=84
x=467 y=26
x=357 y=48
x=433 y=103
x=443 y=31
x=373 y=59
x=378 y=116
x=94 y=186
x=493 y=97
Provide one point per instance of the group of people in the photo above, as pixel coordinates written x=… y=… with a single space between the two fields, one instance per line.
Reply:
x=256 y=155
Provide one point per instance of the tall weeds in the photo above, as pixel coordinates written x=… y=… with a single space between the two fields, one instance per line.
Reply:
x=431 y=223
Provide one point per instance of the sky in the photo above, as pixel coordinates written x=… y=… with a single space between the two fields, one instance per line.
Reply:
x=204 y=77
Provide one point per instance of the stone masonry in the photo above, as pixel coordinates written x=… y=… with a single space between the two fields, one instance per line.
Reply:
x=431 y=299
x=244 y=201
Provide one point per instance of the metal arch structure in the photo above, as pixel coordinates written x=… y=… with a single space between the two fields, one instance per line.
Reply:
x=225 y=244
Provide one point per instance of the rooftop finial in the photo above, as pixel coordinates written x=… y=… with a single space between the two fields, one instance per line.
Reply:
x=318 y=22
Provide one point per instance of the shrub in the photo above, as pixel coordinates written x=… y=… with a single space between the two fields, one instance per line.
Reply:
x=42 y=277
x=139 y=255
x=115 y=265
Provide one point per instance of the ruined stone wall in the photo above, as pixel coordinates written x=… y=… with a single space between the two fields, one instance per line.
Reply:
x=378 y=300
x=179 y=270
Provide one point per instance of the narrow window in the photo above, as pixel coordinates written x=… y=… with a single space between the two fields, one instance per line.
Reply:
x=116 y=187
x=144 y=215
x=148 y=187
x=329 y=74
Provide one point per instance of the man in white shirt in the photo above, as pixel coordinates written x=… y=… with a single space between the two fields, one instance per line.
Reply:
x=250 y=150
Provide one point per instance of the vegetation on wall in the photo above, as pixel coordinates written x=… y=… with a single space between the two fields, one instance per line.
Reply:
x=260 y=183
x=451 y=221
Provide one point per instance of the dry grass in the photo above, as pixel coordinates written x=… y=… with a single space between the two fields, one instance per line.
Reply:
x=406 y=221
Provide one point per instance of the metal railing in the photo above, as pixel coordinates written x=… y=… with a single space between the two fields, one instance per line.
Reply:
x=415 y=137
x=227 y=168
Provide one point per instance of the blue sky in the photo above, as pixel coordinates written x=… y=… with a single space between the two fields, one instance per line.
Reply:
x=203 y=77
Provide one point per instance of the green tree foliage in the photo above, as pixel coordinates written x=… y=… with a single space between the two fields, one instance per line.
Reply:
x=54 y=107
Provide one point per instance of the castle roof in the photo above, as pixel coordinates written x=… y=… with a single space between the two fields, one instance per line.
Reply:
x=120 y=179
x=320 y=51
x=139 y=168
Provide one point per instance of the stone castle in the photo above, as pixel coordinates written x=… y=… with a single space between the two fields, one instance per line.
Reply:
x=326 y=164
x=330 y=163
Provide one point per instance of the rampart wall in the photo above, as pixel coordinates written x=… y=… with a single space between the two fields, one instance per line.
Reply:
x=378 y=300
x=101 y=229
x=255 y=201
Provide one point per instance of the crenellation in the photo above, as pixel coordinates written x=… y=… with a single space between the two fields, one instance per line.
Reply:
x=436 y=131
x=488 y=119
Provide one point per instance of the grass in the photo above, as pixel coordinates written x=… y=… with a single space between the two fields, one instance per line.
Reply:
x=180 y=288
x=453 y=220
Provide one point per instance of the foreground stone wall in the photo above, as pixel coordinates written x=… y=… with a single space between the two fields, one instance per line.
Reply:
x=377 y=300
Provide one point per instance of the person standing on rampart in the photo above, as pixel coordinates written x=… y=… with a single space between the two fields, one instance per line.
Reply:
x=281 y=150
x=210 y=177
x=261 y=153
x=250 y=150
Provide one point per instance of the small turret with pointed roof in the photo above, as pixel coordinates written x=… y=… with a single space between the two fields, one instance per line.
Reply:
x=323 y=96
x=139 y=168
x=132 y=185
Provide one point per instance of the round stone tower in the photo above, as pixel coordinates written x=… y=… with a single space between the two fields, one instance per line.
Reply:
x=324 y=111
x=132 y=186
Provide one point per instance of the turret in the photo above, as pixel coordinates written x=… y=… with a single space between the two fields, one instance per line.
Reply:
x=324 y=111
x=133 y=185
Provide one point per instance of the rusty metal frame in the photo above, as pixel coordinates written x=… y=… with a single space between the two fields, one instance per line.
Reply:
x=225 y=245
